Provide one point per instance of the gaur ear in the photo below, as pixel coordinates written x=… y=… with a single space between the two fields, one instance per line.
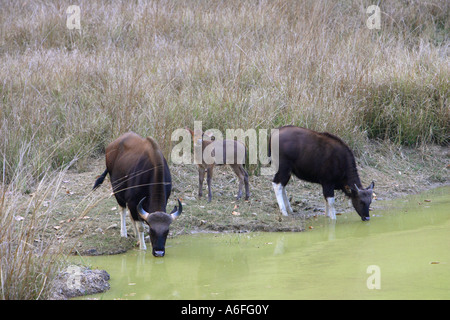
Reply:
x=348 y=189
x=351 y=191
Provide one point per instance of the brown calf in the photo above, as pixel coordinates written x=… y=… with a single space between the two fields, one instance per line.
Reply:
x=216 y=154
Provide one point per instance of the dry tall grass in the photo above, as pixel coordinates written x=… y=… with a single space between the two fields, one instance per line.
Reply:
x=154 y=66
x=31 y=256
x=29 y=259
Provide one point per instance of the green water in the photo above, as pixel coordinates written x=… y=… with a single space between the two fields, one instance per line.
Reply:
x=409 y=245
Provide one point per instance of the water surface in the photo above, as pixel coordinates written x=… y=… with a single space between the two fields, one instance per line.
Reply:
x=403 y=252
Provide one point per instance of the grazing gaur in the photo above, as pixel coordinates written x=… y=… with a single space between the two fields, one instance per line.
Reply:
x=140 y=178
x=319 y=158
x=216 y=154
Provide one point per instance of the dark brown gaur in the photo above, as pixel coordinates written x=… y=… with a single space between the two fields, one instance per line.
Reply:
x=319 y=158
x=217 y=151
x=140 y=178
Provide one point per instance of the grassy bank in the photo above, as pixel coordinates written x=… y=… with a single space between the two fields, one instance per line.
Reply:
x=153 y=67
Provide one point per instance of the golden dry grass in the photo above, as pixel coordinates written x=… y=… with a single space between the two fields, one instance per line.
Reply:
x=156 y=66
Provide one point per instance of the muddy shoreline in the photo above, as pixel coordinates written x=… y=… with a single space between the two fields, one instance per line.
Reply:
x=90 y=221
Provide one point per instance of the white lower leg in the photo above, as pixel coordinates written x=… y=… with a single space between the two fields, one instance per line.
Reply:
x=278 y=188
x=123 y=224
x=330 y=211
x=138 y=227
x=142 y=245
x=286 y=202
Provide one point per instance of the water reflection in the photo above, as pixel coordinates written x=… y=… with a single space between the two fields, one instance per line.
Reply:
x=329 y=261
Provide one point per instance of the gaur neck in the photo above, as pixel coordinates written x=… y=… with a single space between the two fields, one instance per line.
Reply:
x=157 y=199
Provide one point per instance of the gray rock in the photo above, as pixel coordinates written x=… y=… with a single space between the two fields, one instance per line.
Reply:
x=75 y=281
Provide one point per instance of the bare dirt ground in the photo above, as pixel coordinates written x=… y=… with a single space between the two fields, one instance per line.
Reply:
x=89 y=222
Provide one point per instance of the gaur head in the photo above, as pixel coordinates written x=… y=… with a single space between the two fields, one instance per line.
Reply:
x=197 y=136
x=361 y=200
x=159 y=223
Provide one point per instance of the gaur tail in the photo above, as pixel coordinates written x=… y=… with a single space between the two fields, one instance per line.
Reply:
x=100 y=179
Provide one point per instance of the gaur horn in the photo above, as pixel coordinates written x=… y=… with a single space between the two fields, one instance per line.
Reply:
x=144 y=214
x=177 y=211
